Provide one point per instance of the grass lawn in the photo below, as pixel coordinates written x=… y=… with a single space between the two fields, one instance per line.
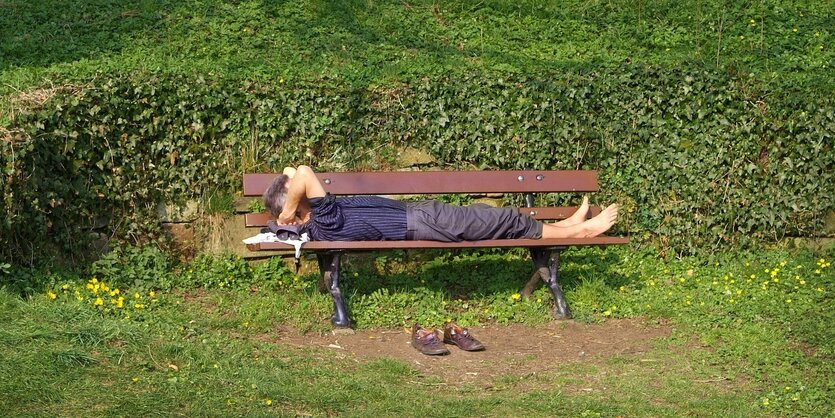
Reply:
x=740 y=335
x=50 y=41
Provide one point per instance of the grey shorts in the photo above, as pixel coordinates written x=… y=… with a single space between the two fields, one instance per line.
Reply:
x=437 y=221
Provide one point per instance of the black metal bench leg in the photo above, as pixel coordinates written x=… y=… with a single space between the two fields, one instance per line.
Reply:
x=549 y=271
x=329 y=267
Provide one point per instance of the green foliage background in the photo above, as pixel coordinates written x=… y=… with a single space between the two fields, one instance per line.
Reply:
x=711 y=122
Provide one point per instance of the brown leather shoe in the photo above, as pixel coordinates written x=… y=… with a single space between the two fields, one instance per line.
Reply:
x=453 y=334
x=427 y=342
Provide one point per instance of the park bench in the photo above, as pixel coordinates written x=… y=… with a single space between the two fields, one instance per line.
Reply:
x=544 y=252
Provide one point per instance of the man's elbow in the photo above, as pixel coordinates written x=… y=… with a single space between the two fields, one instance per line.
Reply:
x=303 y=169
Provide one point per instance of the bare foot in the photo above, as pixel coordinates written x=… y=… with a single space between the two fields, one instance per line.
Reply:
x=577 y=217
x=600 y=223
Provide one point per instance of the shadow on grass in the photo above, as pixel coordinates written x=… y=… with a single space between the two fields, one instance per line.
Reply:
x=471 y=274
x=467 y=272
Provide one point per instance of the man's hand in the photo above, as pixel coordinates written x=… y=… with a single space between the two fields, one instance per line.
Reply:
x=286 y=219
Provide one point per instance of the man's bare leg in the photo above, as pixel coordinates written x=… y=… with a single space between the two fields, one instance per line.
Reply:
x=590 y=228
x=577 y=217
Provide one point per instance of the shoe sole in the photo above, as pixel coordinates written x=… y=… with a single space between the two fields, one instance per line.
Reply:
x=479 y=348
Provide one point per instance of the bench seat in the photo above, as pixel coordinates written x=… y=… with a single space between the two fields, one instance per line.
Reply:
x=422 y=245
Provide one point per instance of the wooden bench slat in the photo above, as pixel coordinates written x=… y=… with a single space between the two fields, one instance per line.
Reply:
x=437 y=182
x=257 y=220
x=405 y=245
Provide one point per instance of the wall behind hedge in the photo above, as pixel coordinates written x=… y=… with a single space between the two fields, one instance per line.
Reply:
x=699 y=159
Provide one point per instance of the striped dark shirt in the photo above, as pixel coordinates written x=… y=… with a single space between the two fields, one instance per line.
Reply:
x=357 y=218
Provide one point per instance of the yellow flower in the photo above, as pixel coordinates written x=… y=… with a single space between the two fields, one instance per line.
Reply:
x=152 y=293
x=98 y=302
x=268 y=402
x=794 y=29
x=66 y=286
x=120 y=303
x=765 y=401
x=94 y=280
x=136 y=295
x=135 y=379
x=138 y=306
x=788 y=301
x=114 y=292
x=515 y=296
x=51 y=295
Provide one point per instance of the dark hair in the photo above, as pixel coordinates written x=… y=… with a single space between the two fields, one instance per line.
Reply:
x=276 y=194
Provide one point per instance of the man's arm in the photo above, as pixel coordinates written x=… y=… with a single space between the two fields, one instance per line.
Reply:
x=303 y=186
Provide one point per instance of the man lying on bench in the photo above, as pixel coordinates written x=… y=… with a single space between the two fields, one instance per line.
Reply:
x=298 y=197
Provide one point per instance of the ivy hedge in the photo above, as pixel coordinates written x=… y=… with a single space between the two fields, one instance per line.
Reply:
x=699 y=159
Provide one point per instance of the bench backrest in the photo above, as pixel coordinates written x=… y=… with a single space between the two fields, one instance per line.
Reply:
x=437 y=182
x=440 y=182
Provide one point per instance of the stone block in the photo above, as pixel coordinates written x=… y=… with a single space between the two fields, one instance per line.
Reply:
x=225 y=234
x=496 y=203
x=171 y=213
x=829 y=223
x=815 y=244
x=410 y=157
x=242 y=204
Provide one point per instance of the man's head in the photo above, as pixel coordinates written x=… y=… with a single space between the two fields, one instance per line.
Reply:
x=276 y=195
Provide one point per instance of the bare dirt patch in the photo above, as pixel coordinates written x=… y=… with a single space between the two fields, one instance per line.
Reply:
x=511 y=350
